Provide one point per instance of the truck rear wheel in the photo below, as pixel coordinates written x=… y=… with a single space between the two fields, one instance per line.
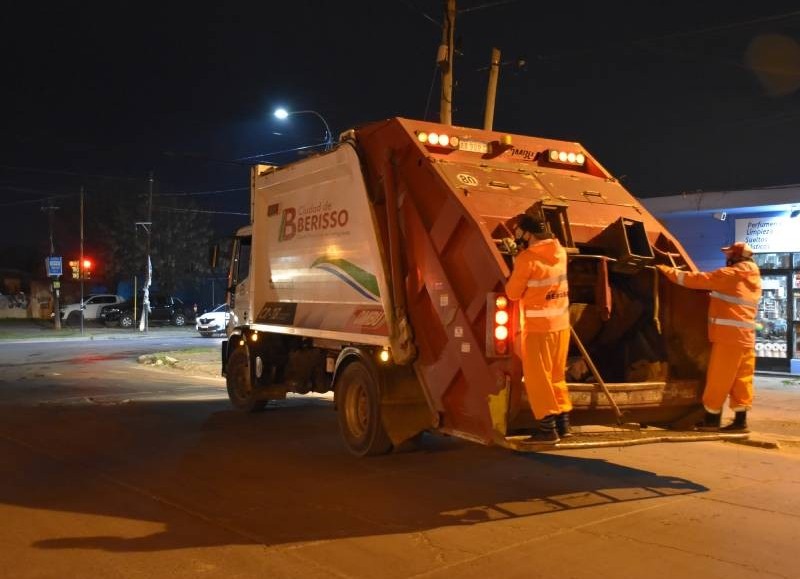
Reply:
x=358 y=399
x=240 y=383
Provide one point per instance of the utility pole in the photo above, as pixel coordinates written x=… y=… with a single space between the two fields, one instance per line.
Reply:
x=445 y=60
x=143 y=324
x=491 y=90
x=54 y=289
x=81 y=272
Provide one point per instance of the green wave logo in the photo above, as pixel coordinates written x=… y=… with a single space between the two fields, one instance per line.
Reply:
x=359 y=279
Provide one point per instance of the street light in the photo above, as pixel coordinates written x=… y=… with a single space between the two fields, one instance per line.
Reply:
x=283 y=114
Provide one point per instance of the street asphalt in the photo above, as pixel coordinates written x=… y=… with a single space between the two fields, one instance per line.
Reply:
x=774 y=420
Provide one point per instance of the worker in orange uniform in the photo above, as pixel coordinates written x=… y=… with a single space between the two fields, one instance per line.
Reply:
x=735 y=293
x=539 y=280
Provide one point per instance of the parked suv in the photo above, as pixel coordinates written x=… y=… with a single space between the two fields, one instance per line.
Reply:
x=71 y=313
x=163 y=310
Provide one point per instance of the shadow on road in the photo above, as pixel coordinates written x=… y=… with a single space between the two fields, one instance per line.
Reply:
x=210 y=476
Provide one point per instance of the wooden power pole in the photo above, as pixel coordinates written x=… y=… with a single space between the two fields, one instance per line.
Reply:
x=491 y=90
x=445 y=60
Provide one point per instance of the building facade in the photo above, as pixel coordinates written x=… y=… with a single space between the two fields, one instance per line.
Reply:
x=769 y=220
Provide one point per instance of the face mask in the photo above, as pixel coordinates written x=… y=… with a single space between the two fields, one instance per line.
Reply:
x=519 y=238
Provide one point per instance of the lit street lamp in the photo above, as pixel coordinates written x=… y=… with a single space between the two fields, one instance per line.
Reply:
x=282 y=114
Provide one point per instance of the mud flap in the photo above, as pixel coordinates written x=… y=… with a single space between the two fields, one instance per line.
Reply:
x=404 y=409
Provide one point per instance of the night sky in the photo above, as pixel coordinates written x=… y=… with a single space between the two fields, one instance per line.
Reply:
x=669 y=96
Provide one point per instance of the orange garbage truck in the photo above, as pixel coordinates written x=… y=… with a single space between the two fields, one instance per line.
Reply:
x=376 y=269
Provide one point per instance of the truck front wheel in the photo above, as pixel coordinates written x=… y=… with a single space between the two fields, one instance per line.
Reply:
x=240 y=383
x=358 y=399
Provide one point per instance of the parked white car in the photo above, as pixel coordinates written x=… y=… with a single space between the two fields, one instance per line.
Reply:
x=71 y=313
x=214 y=322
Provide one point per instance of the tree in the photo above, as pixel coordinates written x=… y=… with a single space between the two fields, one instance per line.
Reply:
x=180 y=237
x=180 y=241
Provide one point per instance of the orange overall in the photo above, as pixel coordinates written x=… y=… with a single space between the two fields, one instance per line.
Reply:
x=539 y=279
x=735 y=293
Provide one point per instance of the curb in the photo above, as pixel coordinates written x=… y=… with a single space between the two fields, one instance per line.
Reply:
x=757 y=443
x=88 y=338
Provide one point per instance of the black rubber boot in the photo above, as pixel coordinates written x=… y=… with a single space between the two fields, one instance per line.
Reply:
x=546 y=432
x=710 y=422
x=562 y=425
x=739 y=423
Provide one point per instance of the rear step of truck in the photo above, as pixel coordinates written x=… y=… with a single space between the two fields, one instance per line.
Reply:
x=602 y=437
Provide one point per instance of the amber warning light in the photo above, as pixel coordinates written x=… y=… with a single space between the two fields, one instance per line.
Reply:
x=445 y=142
x=437 y=140
x=498 y=319
x=566 y=157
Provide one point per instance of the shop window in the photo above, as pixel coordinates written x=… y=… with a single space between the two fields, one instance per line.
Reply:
x=772 y=327
x=773 y=260
x=796 y=261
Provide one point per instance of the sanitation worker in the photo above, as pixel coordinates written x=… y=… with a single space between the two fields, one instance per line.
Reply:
x=735 y=293
x=539 y=280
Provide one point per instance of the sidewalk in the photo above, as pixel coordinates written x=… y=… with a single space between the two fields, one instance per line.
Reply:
x=775 y=418
x=28 y=330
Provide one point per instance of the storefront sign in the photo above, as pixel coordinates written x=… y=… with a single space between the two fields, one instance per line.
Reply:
x=53 y=265
x=769 y=234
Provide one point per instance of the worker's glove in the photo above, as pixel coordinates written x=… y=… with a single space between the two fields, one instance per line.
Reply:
x=665 y=269
x=510 y=245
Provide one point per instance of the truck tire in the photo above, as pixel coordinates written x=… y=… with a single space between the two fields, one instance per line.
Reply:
x=179 y=320
x=358 y=401
x=126 y=321
x=240 y=382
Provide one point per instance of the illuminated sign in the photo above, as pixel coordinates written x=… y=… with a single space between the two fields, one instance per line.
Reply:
x=769 y=234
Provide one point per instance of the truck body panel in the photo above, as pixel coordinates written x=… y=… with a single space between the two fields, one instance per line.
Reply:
x=319 y=272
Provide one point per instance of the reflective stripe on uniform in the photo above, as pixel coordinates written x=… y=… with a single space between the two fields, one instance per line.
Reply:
x=680 y=275
x=733 y=299
x=734 y=323
x=547 y=281
x=546 y=313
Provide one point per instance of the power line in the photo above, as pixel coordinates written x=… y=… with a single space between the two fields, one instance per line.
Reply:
x=32 y=201
x=425 y=15
x=487 y=5
x=294 y=150
x=177 y=210
x=67 y=173
x=720 y=27
x=56 y=195
x=686 y=33
x=197 y=193
x=430 y=91
x=28 y=190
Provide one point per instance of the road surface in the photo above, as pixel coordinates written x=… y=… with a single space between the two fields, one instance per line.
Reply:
x=109 y=468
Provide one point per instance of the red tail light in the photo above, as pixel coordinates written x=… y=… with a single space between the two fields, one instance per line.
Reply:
x=498 y=331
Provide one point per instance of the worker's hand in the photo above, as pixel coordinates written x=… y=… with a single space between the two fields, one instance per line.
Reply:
x=510 y=245
x=665 y=269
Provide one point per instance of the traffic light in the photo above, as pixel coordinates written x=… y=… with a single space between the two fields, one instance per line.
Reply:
x=76 y=271
x=87 y=268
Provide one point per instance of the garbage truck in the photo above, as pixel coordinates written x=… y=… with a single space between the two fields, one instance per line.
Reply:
x=375 y=270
